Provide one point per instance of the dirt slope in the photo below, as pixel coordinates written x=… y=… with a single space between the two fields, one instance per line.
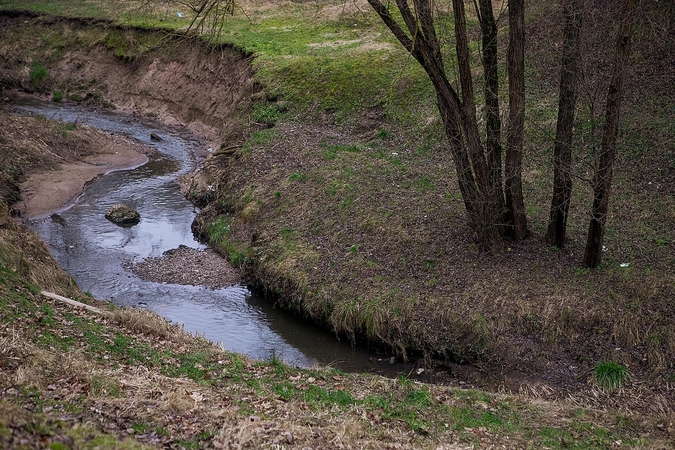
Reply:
x=177 y=79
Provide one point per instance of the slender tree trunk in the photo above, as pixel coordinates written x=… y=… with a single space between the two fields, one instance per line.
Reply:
x=562 y=154
x=517 y=221
x=602 y=180
x=465 y=179
x=487 y=230
x=493 y=125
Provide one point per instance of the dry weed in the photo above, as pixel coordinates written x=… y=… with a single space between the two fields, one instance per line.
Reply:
x=146 y=322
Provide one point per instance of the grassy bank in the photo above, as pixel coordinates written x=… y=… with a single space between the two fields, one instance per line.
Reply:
x=70 y=378
x=347 y=210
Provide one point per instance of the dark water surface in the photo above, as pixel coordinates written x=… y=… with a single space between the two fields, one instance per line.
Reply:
x=95 y=252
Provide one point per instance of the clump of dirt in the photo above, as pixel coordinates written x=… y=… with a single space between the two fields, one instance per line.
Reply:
x=186 y=265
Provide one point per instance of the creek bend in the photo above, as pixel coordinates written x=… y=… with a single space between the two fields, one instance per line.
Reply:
x=97 y=253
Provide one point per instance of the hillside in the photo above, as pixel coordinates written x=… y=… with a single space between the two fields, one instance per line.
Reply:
x=336 y=195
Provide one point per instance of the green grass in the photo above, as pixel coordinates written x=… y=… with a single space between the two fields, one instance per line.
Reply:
x=611 y=375
x=332 y=150
x=219 y=231
x=38 y=73
x=266 y=113
x=327 y=398
x=259 y=138
x=296 y=176
x=219 y=236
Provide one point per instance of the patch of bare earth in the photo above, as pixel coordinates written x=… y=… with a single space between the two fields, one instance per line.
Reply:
x=179 y=80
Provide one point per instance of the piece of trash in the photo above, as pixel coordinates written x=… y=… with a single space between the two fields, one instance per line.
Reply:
x=604 y=249
x=624 y=264
x=179 y=14
x=209 y=149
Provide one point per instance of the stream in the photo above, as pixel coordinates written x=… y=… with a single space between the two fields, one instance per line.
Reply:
x=96 y=252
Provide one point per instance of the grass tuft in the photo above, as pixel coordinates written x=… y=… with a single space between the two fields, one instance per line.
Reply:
x=268 y=114
x=611 y=375
x=38 y=73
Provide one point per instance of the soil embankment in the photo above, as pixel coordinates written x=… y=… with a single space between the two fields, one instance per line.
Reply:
x=174 y=79
x=360 y=228
x=177 y=79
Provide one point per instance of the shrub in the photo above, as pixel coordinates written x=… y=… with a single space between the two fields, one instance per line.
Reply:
x=266 y=114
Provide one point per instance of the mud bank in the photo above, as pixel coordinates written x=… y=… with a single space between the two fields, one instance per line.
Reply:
x=176 y=79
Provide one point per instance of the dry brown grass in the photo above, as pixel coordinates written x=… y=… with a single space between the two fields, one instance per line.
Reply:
x=145 y=322
x=24 y=253
x=371 y=239
x=120 y=396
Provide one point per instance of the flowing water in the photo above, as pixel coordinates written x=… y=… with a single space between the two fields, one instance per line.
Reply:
x=96 y=252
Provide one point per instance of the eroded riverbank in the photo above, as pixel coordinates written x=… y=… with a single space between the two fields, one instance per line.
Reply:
x=157 y=264
x=358 y=227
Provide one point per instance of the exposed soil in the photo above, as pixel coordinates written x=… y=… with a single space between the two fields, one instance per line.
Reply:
x=178 y=80
x=56 y=160
x=185 y=265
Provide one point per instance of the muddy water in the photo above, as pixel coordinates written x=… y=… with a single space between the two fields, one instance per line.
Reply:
x=95 y=252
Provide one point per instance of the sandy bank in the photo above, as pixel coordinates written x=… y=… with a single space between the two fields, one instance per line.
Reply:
x=51 y=190
x=55 y=161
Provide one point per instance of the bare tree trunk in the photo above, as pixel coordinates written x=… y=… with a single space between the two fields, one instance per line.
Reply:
x=562 y=154
x=487 y=229
x=517 y=221
x=602 y=180
x=493 y=125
